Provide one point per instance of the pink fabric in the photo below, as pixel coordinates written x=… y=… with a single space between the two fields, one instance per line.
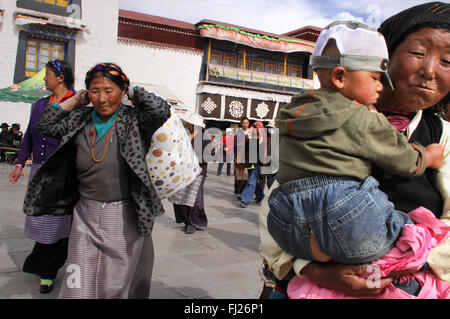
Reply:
x=400 y=122
x=411 y=252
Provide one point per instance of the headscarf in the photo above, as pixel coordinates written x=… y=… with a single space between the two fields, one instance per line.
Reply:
x=110 y=71
x=62 y=68
x=115 y=74
x=57 y=67
x=396 y=28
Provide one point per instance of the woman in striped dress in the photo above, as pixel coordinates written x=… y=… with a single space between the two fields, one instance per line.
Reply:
x=99 y=174
x=51 y=233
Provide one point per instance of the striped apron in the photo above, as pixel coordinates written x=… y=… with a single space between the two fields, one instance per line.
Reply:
x=46 y=229
x=104 y=248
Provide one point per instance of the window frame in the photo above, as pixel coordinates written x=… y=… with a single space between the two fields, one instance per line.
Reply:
x=218 y=54
x=229 y=59
x=293 y=70
x=20 y=67
x=30 y=72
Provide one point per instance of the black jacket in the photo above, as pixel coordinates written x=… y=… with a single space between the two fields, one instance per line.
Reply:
x=54 y=188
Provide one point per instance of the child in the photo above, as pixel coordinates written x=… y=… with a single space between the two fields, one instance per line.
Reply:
x=328 y=206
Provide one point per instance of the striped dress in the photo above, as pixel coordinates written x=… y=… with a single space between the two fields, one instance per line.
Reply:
x=104 y=244
x=104 y=249
x=46 y=229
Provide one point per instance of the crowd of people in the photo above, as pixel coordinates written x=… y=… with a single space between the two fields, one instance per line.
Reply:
x=361 y=161
x=10 y=141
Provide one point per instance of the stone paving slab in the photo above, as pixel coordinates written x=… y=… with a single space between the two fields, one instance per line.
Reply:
x=221 y=261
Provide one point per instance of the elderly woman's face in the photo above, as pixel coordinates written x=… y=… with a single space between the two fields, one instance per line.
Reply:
x=420 y=69
x=105 y=96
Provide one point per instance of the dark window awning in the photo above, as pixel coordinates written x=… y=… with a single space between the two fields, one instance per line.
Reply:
x=22 y=18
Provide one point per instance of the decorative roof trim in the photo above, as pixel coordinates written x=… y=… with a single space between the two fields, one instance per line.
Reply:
x=243 y=93
x=265 y=42
x=147 y=18
x=159 y=46
x=157 y=26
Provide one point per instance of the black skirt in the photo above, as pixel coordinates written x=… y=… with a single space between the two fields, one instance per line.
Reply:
x=46 y=259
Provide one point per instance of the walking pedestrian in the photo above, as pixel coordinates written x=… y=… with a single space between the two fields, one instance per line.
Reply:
x=228 y=151
x=269 y=178
x=50 y=233
x=240 y=171
x=255 y=152
x=100 y=176
x=188 y=203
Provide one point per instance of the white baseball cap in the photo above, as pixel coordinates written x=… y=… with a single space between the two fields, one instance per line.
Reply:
x=361 y=48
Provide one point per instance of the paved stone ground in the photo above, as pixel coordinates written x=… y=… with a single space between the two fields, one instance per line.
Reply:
x=220 y=262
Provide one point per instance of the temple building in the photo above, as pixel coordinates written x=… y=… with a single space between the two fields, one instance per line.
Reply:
x=249 y=73
x=221 y=71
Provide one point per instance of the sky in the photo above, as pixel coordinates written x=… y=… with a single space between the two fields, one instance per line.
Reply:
x=273 y=16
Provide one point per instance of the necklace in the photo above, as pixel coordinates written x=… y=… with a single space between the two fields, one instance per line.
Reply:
x=107 y=143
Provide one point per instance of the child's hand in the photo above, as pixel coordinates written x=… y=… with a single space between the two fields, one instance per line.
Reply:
x=435 y=155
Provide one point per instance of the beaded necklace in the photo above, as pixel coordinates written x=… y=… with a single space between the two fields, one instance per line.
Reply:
x=107 y=142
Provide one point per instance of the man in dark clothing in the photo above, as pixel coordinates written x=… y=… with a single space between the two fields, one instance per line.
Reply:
x=6 y=140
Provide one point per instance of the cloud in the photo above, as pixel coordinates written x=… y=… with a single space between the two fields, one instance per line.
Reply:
x=274 y=16
x=344 y=16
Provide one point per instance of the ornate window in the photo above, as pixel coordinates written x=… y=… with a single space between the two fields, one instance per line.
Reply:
x=229 y=59
x=271 y=67
x=61 y=3
x=39 y=52
x=240 y=61
x=280 y=68
x=216 y=57
x=40 y=44
x=296 y=71
x=248 y=62
x=258 y=64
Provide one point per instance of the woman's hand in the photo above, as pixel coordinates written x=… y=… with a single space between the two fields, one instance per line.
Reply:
x=15 y=174
x=80 y=98
x=130 y=94
x=343 y=278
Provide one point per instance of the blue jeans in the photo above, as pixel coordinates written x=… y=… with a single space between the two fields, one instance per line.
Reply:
x=252 y=188
x=220 y=166
x=352 y=221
